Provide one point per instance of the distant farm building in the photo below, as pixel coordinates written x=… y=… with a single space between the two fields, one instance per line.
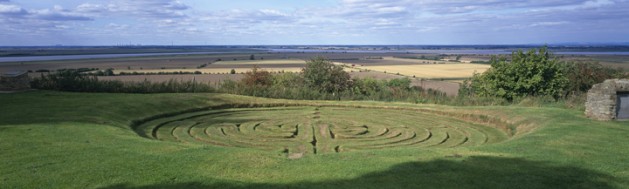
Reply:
x=17 y=80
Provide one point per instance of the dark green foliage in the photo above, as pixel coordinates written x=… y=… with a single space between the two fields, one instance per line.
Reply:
x=321 y=74
x=583 y=75
x=535 y=73
x=232 y=71
x=252 y=57
x=77 y=82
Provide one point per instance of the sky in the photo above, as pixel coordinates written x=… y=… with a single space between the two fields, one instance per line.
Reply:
x=311 y=22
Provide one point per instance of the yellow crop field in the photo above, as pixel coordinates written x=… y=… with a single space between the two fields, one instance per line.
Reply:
x=433 y=71
x=261 y=62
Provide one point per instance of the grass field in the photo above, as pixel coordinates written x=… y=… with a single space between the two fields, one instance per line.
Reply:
x=86 y=140
x=433 y=71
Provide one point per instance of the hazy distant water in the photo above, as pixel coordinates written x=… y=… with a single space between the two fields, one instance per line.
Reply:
x=91 y=56
x=441 y=51
x=456 y=51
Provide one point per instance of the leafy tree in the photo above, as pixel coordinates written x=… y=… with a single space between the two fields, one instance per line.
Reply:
x=252 y=57
x=535 y=73
x=232 y=71
x=323 y=75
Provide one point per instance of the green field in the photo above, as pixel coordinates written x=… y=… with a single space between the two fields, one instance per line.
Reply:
x=91 y=140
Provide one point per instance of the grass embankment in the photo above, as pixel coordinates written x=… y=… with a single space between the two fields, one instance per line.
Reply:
x=85 y=140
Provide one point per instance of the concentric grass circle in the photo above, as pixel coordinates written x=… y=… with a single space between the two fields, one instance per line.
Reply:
x=314 y=130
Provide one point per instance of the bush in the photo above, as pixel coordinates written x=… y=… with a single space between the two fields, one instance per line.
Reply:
x=257 y=77
x=583 y=75
x=535 y=73
x=321 y=74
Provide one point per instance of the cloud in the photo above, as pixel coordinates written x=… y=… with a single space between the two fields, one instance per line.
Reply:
x=548 y=23
x=345 y=21
x=58 y=13
x=237 y=16
x=12 y=10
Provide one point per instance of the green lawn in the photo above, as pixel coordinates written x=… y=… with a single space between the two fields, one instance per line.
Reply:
x=87 y=140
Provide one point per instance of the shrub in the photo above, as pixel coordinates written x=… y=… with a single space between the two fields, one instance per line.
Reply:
x=288 y=80
x=583 y=75
x=535 y=73
x=257 y=77
x=321 y=74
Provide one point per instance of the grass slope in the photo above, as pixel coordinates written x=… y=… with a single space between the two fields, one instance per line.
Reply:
x=83 y=140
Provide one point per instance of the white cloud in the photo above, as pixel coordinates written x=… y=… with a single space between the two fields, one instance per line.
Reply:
x=548 y=23
x=401 y=21
x=11 y=9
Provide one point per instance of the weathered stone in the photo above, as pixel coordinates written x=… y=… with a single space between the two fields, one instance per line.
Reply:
x=603 y=100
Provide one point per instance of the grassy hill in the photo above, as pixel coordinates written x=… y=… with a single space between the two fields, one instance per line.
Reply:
x=96 y=140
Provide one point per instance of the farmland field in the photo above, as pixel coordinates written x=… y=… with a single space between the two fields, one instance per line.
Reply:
x=433 y=71
x=90 y=140
x=261 y=62
x=214 y=70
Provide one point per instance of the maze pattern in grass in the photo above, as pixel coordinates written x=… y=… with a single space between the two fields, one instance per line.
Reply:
x=319 y=130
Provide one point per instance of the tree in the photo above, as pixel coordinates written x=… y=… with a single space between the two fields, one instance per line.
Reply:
x=323 y=75
x=535 y=73
x=252 y=57
x=232 y=71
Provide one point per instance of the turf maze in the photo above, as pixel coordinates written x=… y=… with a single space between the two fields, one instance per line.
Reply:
x=317 y=130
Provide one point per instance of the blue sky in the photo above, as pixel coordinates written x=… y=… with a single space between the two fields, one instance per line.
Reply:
x=280 y=22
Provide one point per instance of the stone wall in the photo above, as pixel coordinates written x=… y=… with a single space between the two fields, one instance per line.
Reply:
x=13 y=83
x=602 y=99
